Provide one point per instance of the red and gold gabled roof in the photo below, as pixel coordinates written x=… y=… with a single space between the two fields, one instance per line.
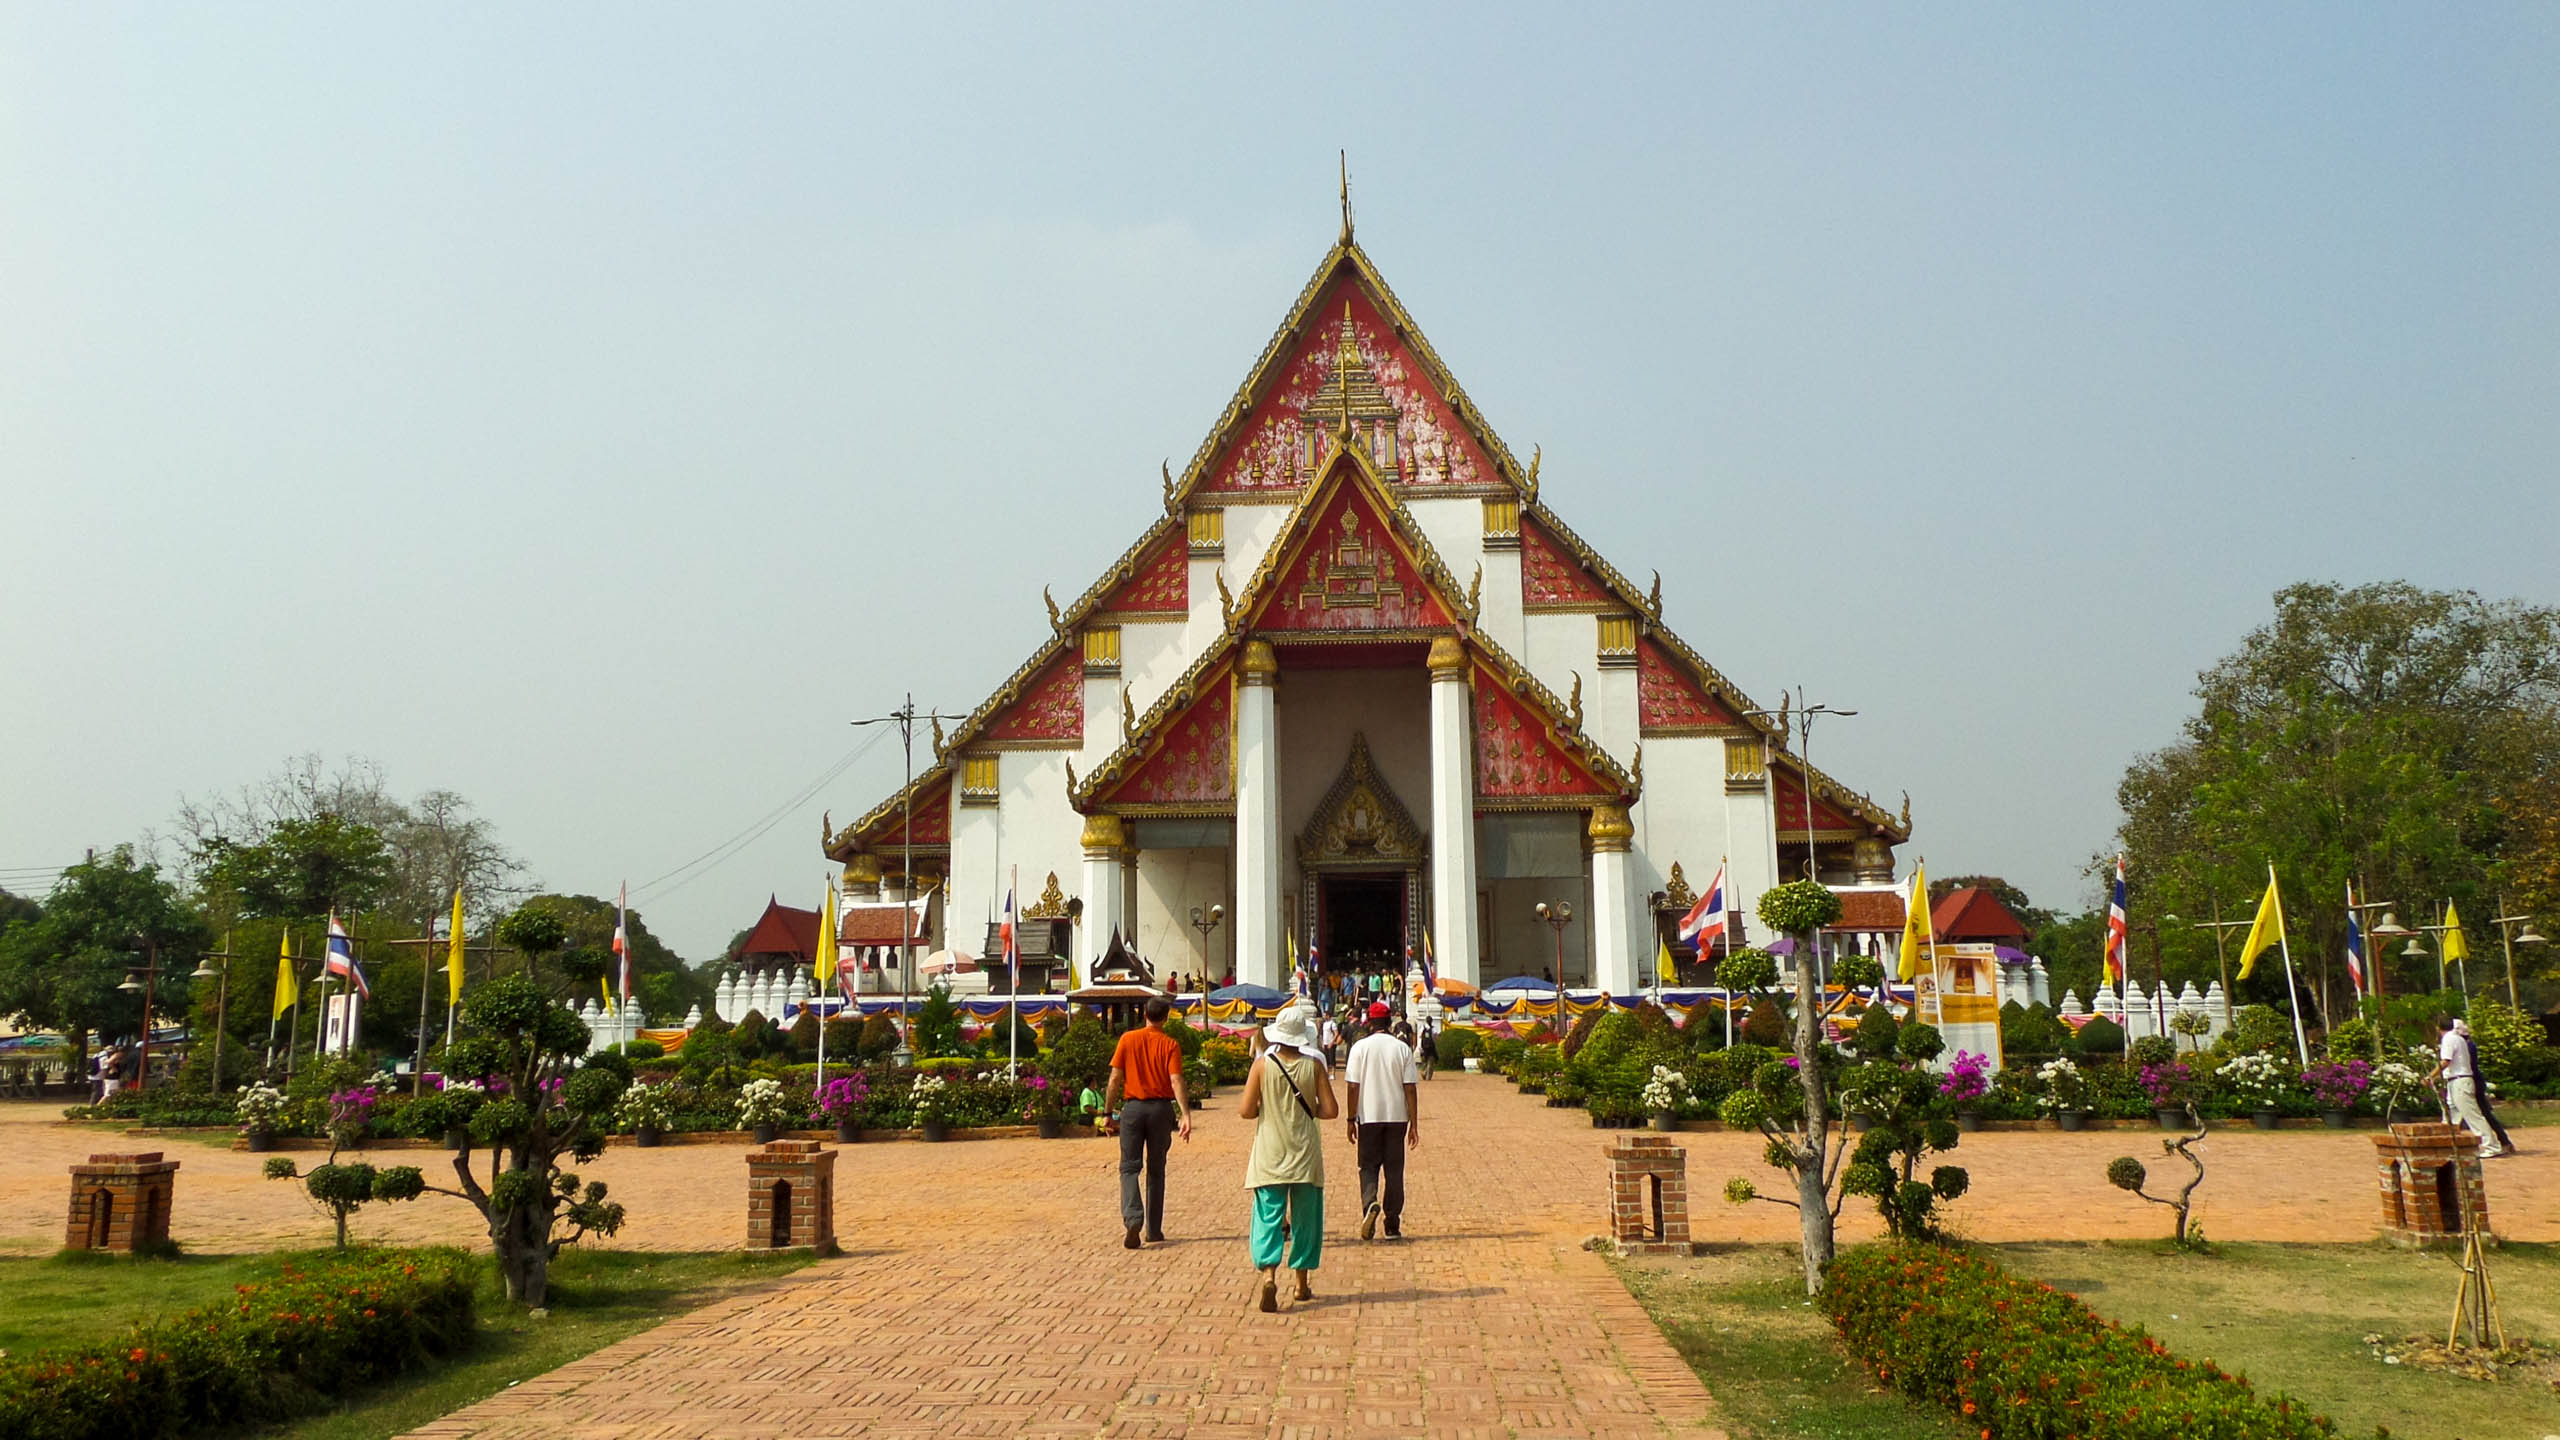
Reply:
x=1350 y=569
x=1048 y=711
x=884 y=830
x=1160 y=586
x=1524 y=757
x=1552 y=578
x=1831 y=818
x=1671 y=701
x=1185 y=763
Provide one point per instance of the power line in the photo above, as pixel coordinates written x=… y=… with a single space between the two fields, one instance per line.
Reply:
x=712 y=858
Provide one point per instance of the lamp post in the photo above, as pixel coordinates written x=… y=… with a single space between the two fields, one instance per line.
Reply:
x=1803 y=716
x=221 y=974
x=2221 y=953
x=905 y=718
x=149 y=971
x=2159 y=973
x=1558 y=915
x=2508 y=940
x=1205 y=920
x=2379 y=935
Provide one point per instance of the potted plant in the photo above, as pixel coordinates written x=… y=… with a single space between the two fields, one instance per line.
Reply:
x=761 y=1109
x=2258 y=1083
x=1870 y=1091
x=840 y=1104
x=351 y=1116
x=2337 y=1085
x=1965 y=1083
x=644 y=1110
x=1664 y=1094
x=1044 y=1105
x=2171 y=1087
x=2063 y=1092
x=932 y=1100
x=260 y=1110
x=2400 y=1090
x=1199 y=1077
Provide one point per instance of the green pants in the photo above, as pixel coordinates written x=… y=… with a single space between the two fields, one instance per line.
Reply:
x=1304 y=1207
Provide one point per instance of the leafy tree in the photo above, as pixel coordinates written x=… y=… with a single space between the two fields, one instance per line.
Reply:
x=301 y=870
x=1912 y=1120
x=879 y=1039
x=661 y=982
x=1790 y=1104
x=59 y=970
x=1082 y=1056
x=534 y=931
x=16 y=910
x=938 y=1023
x=341 y=1190
x=2383 y=734
x=538 y=1106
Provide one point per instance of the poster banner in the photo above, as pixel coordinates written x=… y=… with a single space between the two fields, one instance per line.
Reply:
x=338 y=1023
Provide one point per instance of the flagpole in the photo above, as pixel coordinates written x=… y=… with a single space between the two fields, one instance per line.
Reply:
x=293 y=1035
x=1012 y=981
x=2284 y=943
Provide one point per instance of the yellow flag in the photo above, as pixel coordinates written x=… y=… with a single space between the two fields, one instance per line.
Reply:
x=1662 y=962
x=2455 y=947
x=288 y=989
x=1917 y=928
x=827 y=922
x=2265 y=931
x=454 y=953
x=605 y=984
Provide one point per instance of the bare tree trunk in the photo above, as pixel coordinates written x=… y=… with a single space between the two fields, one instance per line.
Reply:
x=1813 y=1191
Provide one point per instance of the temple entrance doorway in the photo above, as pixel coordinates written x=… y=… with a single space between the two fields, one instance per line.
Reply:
x=1361 y=920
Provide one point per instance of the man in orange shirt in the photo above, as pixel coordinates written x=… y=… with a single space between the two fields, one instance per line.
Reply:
x=1146 y=1072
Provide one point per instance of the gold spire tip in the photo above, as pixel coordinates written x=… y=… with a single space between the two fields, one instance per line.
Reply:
x=1345 y=156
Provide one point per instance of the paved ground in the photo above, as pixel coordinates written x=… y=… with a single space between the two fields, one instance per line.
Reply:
x=987 y=1292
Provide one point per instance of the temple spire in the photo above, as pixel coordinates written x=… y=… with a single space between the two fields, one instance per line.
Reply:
x=1346 y=196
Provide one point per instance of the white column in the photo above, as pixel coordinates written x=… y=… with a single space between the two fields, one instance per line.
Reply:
x=1613 y=930
x=1454 y=942
x=1106 y=839
x=1259 y=916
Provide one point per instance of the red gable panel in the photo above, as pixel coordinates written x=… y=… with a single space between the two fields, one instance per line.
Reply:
x=1786 y=793
x=1051 y=707
x=1427 y=446
x=1549 y=575
x=1350 y=573
x=1195 y=761
x=933 y=820
x=1517 y=756
x=1669 y=698
x=1974 y=913
x=1162 y=584
x=782 y=930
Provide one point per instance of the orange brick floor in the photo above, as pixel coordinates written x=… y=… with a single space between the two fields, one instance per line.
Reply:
x=986 y=1292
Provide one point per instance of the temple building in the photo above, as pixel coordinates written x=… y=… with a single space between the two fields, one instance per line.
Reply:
x=1358 y=685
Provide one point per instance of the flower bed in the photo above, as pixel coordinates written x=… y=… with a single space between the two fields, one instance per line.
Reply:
x=276 y=1351
x=2019 y=1358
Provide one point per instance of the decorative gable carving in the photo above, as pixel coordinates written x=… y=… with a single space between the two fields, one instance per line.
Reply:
x=1191 y=768
x=1049 y=711
x=1552 y=579
x=1361 y=822
x=1351 y=571
x=1521 y=760
x=888 y=833
x=1786 y=802
x=1670 y=701
x=1162 y=585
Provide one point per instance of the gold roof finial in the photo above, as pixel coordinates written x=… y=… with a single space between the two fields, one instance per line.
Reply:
x=1346 y=355
x=1346 y=197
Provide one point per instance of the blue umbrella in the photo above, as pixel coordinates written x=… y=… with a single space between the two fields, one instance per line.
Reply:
x=1523 y=982
x=1250 y=994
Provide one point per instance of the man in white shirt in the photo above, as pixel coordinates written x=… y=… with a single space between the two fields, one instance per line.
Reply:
x=1384 y=1121
x=2458 y=1074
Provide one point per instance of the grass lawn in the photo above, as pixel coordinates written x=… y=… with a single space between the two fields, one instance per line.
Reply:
x=2291 y=1317
x=597 y=1297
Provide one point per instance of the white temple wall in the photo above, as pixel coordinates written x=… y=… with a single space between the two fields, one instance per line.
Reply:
x=1609 y=705
x=1558 y=647
x=1500 y=615
x=1153 y=654
x=1319 y=711
x=1455 y=529
x=1170 y=882
x=1031 y=827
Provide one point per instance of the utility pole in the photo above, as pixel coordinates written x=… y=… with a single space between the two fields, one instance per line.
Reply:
x=1803 y=718
x=905 y=718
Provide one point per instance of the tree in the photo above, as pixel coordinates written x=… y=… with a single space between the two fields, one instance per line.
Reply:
x=2382 y=734
x=660 y=980
x=1789 y=1101
x=302 y=869
x=938 y=1023
x=60 y=970
x=534 y=1104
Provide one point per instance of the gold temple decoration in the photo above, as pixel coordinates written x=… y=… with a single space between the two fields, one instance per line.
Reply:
x=826 y=828
x=1906 y=812
x=1208 y=531
x=979 y=779
x=1502 y=522
x=1653 y=600
x=1102 y=649
x=1611 y=833
x=1045 y=599
x=1052 y=904
x=1360 y=821
x=938 y=743
x=1745 y=763
x=1353 y=578
x=1617 y=640
x=1071 y=783
x=1573 y=703
x=1475 y=594
x=1447 y=657
x=1536 y=454
x=1128 y=715
x=1635 y=768
x=1170 y=503
x=1104 y=835
x=1676 y=894
x=1226 y=599
x=1345 y=157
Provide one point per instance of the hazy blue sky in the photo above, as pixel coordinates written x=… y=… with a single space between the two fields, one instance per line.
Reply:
x=591 y=409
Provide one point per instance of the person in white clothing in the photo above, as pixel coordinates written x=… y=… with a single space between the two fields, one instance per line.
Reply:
x=2457 y=1072
x=1384 y=1118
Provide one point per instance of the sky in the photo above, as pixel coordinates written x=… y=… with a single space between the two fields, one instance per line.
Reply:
x=594 y=409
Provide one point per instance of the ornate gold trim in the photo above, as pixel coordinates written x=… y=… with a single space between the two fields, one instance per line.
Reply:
x=1610 y=831
x=1104 y=833
x=1361 y=822
x=1052 y=904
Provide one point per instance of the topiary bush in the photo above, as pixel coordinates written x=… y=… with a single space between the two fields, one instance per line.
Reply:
x=1799 y=907
x=2099 y=1039
x=1082 y=1056
x=1458 y=1044
x=1766 y=1024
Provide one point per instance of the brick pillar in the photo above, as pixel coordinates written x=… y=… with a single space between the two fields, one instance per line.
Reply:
x=2431 y=1183
x=1649 y=1194
x=121 y=1203
x=791 y=1189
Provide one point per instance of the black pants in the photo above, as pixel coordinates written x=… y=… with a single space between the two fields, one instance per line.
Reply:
x=1382 y=1148
x=1146 y=1134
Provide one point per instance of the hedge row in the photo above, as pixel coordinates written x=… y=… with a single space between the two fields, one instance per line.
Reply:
x=2022 y=1359
x=274 y=1351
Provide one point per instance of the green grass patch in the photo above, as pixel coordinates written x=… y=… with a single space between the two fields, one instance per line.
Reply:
x=1772 y=1362
x=597 y=1297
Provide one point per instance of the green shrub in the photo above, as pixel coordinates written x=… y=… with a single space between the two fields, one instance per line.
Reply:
x=2031 y=1031
x=269 y=1353
x=1185 y=1036
x=1082 y=1056
x=1765 y=1025
x=2261 y=1029
x=2502 y=1033
x=2017 y=1358
x=638 y=1050
x=2100 y=1039
x=1458 y=1044
x=1230 y=1059
x=937 y=1023
x=2350 y=1039
x=2155 y=1050
x=1799 y=907
x=1876 y=1032
x=878 y=1039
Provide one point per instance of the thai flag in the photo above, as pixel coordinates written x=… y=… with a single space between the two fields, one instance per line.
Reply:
x=1012 y=947
x=622 y=940
x=342 y=959
x=2116 y=929
x=2355 y=941
x=1705 y=921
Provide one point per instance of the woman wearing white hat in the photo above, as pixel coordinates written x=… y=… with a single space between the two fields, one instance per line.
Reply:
x=1287 y=1096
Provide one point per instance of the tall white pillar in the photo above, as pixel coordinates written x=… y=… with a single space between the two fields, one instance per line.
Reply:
x=1106 y=840
x=1454 y=942
x=1259 y=917
x=1613 y=936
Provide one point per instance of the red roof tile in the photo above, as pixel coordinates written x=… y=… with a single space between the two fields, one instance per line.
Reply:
x=1975 y=914
x=1870 y=910
x=878 y=924
x=782 y=930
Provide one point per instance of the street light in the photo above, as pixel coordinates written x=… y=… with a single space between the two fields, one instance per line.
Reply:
x=1557 y=915
x=1206 y=921
x=2508 y=941
x=207 y=970
x=1803 y=716
x=2381 y=933
x=149 y=970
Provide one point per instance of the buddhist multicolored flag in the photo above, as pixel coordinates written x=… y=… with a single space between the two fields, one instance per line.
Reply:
x=2266 y=931
x=2355 y=941
x=2116 y=928
x=454 y=954
x=1917 y=932
x=342 y=958
x=288 y=989
x=1430 y=966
